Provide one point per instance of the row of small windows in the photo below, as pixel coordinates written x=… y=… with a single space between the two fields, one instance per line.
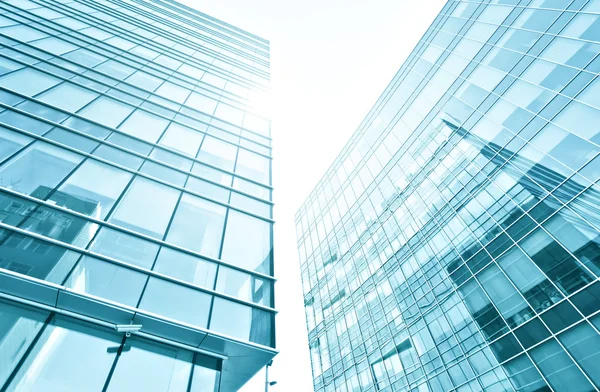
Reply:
x=140 y=124
x=120 y=71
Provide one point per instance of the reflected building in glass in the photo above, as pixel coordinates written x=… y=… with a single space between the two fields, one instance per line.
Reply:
x=135 y=190
x=454 y=244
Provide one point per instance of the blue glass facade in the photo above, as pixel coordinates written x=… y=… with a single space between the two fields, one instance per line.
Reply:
x=135 y=189
x=454 y=243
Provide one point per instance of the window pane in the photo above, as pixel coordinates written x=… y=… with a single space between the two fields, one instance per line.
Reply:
x=229 y=114
x=207 y=374
x=18 y=328
x=241 y=321
x=93 y=183
x=107 y=280
x=583 y=342
x=182 y=139
x=28 y=81
x=37 y=170
x=244 y=286
x=144 y=125
x=146 y=215
x=186 y=267
x=558 y=368
x=217 y=153
x=58 y=362
x=61 y=225
x=198 y=225
x=107 y=111
x=11 y=142
x=256 y=124
x=247 y=242
x=125 y=247
x=144 y=80
x=151 y=367
x=173 y=92
x=68 y=96
x=253 y=166
x=177 y=302
x=201 y=103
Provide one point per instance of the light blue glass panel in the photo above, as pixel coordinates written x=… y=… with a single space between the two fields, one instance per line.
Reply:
x=182 y=139
x=253 y=166
x=241 y=321
x=125 y=247
x=206 y=376
x=11 y=142
x=54 y=45
x=7 y=65
x=144 y=80
x=247 y=242
x=186 y=267
x=173 y=92
x=107 y=111
x=217 y=153
x=176 y=302
x=198 y=225
x=146 y=215
x=244 y=286
x=201 y=103
x=38 y=169
x=28 y=81
x=68 y=96
x=18 y=327
x=23 y=33
x=58 y=362
x=229 y=114
x=97 y=183
x=257 y=124
x=144 y=125
x=107 y=280
x=151 y=367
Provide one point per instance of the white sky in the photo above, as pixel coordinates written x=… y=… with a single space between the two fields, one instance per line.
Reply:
x=330 y=61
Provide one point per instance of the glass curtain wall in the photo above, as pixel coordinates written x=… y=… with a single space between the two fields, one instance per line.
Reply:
x=454 y=244
x=135 y=171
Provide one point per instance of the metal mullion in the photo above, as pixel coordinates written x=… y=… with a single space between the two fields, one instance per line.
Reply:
x=114 y=364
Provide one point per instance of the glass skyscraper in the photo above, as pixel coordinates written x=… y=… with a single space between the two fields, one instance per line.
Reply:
x=454 y=244
x=135 y=198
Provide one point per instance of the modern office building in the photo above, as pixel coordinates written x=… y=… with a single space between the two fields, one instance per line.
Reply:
x=454 y=244
x=135 y=198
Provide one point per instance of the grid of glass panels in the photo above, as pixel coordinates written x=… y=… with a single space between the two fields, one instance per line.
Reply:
x=55 y=361
x=454 y=243
x=135 y=159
